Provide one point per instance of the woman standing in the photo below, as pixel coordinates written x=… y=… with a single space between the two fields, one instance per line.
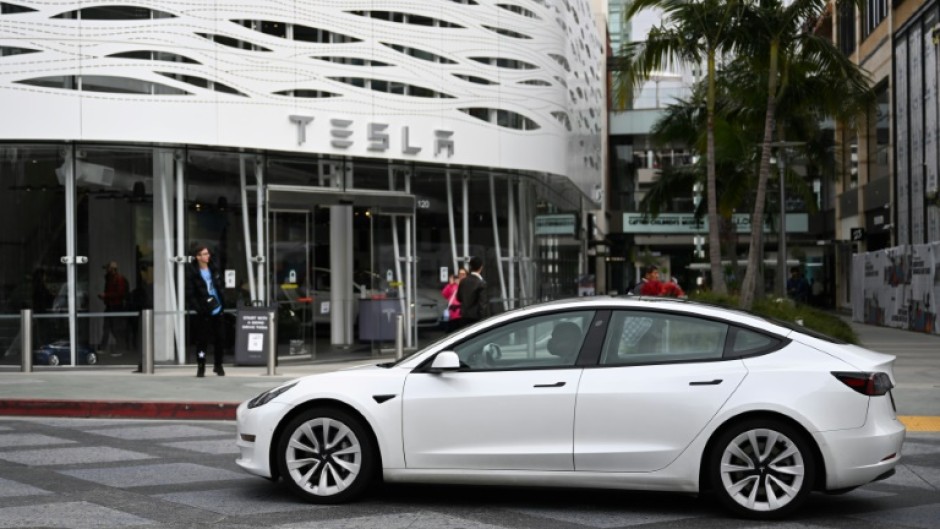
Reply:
x=204 y=295
x=450 y=294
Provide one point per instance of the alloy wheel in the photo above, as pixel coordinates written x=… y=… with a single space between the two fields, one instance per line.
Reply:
x=762 y=470
x=323 y=456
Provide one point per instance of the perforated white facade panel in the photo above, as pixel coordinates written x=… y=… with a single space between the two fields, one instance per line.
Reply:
x=513 y=84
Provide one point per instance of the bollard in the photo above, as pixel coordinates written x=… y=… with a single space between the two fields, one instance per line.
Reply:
x=399 y=337
x=272 y=342
x=26 y=340
x=146 y=341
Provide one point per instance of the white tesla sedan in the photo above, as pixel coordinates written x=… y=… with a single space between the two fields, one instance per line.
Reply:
x=625 y=393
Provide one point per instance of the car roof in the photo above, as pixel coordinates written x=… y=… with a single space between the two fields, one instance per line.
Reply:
x=662 y=303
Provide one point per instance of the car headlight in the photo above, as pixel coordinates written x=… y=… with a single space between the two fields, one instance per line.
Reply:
x=268 y=396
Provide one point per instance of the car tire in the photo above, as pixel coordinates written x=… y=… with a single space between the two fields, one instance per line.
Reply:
x=91 y=358
x=326 y=455
x=54 y=360
x=762 y=469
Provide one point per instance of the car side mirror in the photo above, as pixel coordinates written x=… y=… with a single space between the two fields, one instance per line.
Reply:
x=445 y=361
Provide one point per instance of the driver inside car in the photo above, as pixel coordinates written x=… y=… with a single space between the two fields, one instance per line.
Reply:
x=565 y=342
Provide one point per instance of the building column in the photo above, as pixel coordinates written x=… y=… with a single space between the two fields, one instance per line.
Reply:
x=341 y=264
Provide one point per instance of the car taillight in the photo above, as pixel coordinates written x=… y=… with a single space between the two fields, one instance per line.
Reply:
x=871 y=384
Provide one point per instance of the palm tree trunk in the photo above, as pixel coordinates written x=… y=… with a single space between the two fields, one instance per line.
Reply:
x=714 y=224
x=756 y=249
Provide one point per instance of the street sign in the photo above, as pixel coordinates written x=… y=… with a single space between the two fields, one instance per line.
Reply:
x=857 y=234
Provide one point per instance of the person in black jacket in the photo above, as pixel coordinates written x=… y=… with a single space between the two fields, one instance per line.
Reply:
x=471 y=293
x=204 y=295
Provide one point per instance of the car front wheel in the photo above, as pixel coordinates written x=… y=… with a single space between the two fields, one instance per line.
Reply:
x=762 y=469
x=326 y=455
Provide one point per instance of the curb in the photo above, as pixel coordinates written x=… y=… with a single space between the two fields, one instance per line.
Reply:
x=207 y=411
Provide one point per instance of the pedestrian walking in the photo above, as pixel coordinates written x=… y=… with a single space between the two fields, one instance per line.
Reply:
x=114 y=298
x=472 y=296
x=449 y=292
x=797 y=287
x=204 y=295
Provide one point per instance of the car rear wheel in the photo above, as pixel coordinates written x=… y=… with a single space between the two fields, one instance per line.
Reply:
x=91 y=358
x=762 y=469
x=326 y=455
x=53 y=360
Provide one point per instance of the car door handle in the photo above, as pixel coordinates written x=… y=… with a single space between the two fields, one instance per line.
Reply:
x=706 y=382
x=555 y=385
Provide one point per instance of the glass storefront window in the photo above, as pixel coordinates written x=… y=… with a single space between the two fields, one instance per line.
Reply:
x=879 y=140
x=114 y=230
x=33 y=235
x=294 y=171
x=369 y=174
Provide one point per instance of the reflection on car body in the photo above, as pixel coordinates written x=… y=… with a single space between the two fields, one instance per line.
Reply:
x=626 y=393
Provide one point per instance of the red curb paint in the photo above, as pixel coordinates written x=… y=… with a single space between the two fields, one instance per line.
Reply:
x=119 y=409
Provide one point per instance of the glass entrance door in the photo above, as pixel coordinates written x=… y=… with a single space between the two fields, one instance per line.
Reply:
x=341 y=269
x=390 y=273
x=292 y=283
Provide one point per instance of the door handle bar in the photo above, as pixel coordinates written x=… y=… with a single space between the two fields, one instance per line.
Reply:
x=555 y=385
x=706 y=382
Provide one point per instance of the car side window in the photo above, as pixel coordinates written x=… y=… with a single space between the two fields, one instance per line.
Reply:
x=637 y=337
x=747 y=342
x=551 y=340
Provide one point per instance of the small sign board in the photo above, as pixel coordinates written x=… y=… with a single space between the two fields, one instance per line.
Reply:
x=445 y=274
x=253 y=326
x=230 y=279
x=857 y=234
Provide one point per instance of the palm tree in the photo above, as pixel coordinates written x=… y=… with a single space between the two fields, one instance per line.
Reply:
x=789 y=56
x=692 y=31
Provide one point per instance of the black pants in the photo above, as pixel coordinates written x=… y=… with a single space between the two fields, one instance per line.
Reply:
x=208 y=329
x=115 y=327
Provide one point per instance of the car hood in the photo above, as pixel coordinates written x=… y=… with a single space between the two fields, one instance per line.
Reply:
x=358 y=383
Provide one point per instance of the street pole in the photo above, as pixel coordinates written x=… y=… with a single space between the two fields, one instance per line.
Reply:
x=782 y=147
x=782 y=241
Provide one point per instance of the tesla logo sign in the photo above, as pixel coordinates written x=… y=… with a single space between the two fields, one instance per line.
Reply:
x=377 y=135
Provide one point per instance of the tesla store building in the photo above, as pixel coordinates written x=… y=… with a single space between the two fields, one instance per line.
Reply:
x=332 y=156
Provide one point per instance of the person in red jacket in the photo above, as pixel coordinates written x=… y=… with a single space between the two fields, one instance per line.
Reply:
x=653 y=286
x=450 y=294
x=114 y=295
x=662 y=288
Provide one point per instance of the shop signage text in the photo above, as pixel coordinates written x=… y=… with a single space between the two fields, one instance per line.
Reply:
x=682 y=223
x=377 y=135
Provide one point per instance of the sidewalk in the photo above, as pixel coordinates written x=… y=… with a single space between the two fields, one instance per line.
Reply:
x=174 y=392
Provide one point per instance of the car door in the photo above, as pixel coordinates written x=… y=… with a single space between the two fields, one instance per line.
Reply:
x=510 y=407
x=661 y=378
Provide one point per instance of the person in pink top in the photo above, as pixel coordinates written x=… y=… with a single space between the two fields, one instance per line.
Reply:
x=450 y=294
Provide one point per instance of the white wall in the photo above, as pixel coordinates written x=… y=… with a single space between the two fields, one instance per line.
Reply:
x=260 y=119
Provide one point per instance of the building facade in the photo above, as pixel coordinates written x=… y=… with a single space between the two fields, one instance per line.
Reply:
x=330 y=154
x=887 y=189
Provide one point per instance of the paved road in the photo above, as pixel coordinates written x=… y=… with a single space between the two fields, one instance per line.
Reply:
x=90 y=473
